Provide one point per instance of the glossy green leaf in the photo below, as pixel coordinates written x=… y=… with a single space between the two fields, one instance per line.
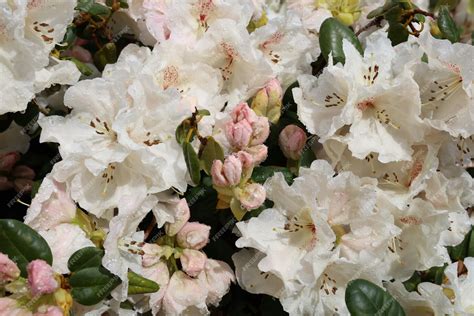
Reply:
x=22 y=244
x=447 y=26
x=85 y=258
x=140 y=285
x=459 y=252
x=262 y=173
x=412 y=283
x=470 y=249
x=331 y=35
x=365 y=298
x=212 y=151
x=435 y=275
x=185 y=132
x=83 y=68
x=192 y=162
x=92 y=285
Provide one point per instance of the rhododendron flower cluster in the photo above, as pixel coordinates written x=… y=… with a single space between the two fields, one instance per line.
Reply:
x=236 y=157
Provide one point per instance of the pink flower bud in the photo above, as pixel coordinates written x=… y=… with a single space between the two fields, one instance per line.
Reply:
x=8 y=160
x=246 y=159
x=292 y=140
x=48 y=310
x=5 y=184
x=243 y=112
x=238 y=134
x=41 y=278
x=193 y=235
x=193 y=261
x=10 y=306
x=259 y=153
x=23 y=185
x=267 y=101
x=79 y=53
x=8 y=269
x=182 y=215
x=227 y=173
x=182 y=293
x=23 y=172
x=261 y=130
x=252 y=196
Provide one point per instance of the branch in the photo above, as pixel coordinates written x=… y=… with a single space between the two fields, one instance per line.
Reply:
x=375 y=22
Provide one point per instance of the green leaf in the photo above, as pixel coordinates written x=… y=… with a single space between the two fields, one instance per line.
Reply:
x=83 y=68
x=459 y=252
x=106 y=55
x=184 y=131
x=140 y=285
x=92 y=285
x=365 y=298
x=35 y=187
x=192 y=162
x=397 y=33
x=22 y=244
x=470 y=249
x=98 y=9
x=85 y=258
x=447 y=26
x=332 y=33
x=237 y=209
x=380 y=11
x=435 y=275
x=307 y=156
x=84 y=5
x=412 y=283
x=212 y=151
x=262 y=173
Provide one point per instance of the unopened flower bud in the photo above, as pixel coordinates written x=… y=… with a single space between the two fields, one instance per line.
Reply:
x=243 y=112
x=193 y=235
x=23 y=172
x=182 y=215
x=246 y=159
x=261 y=130
x=259 y=153
x=8 y=269
x=193 y=261
x=238 y=134
x=227 y=173
x=41 y=278
x=252 y=196
x=63 y=299
x=8 y=160
x=292 y=140
x=268 y=100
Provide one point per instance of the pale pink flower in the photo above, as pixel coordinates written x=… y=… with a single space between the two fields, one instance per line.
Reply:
x=9 y=307
x=8 y=269
x=227 y=173
x=41 y=278
x=239 y=134
x=181 y=217
x=252 y=196
x=193 y=235
x=193 y=261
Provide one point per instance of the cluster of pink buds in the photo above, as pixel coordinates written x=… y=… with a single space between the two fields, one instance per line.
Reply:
x=13 y=176
x=198 y=280
x=41 y=281
x=246 y=133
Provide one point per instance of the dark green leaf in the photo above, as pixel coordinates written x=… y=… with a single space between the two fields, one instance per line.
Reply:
x=470 y=249
x=84 y=5
x=83 y=68
x=85 y=258
x=184 y=131
x=397 y=33
x=106 y=55
x=98 y=9
x=192 y=162
x=262 y=173
x=212 y=151
x=22 y=244
x=331 y=34
x=412 y=283
x=447 y=26
x=435 y=275
x=459 y=252
x=92 y=285
x=365 y=298
x=140 y=285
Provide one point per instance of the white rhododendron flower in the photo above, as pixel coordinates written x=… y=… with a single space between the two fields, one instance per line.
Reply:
x=236 y=157
x=28 y=32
